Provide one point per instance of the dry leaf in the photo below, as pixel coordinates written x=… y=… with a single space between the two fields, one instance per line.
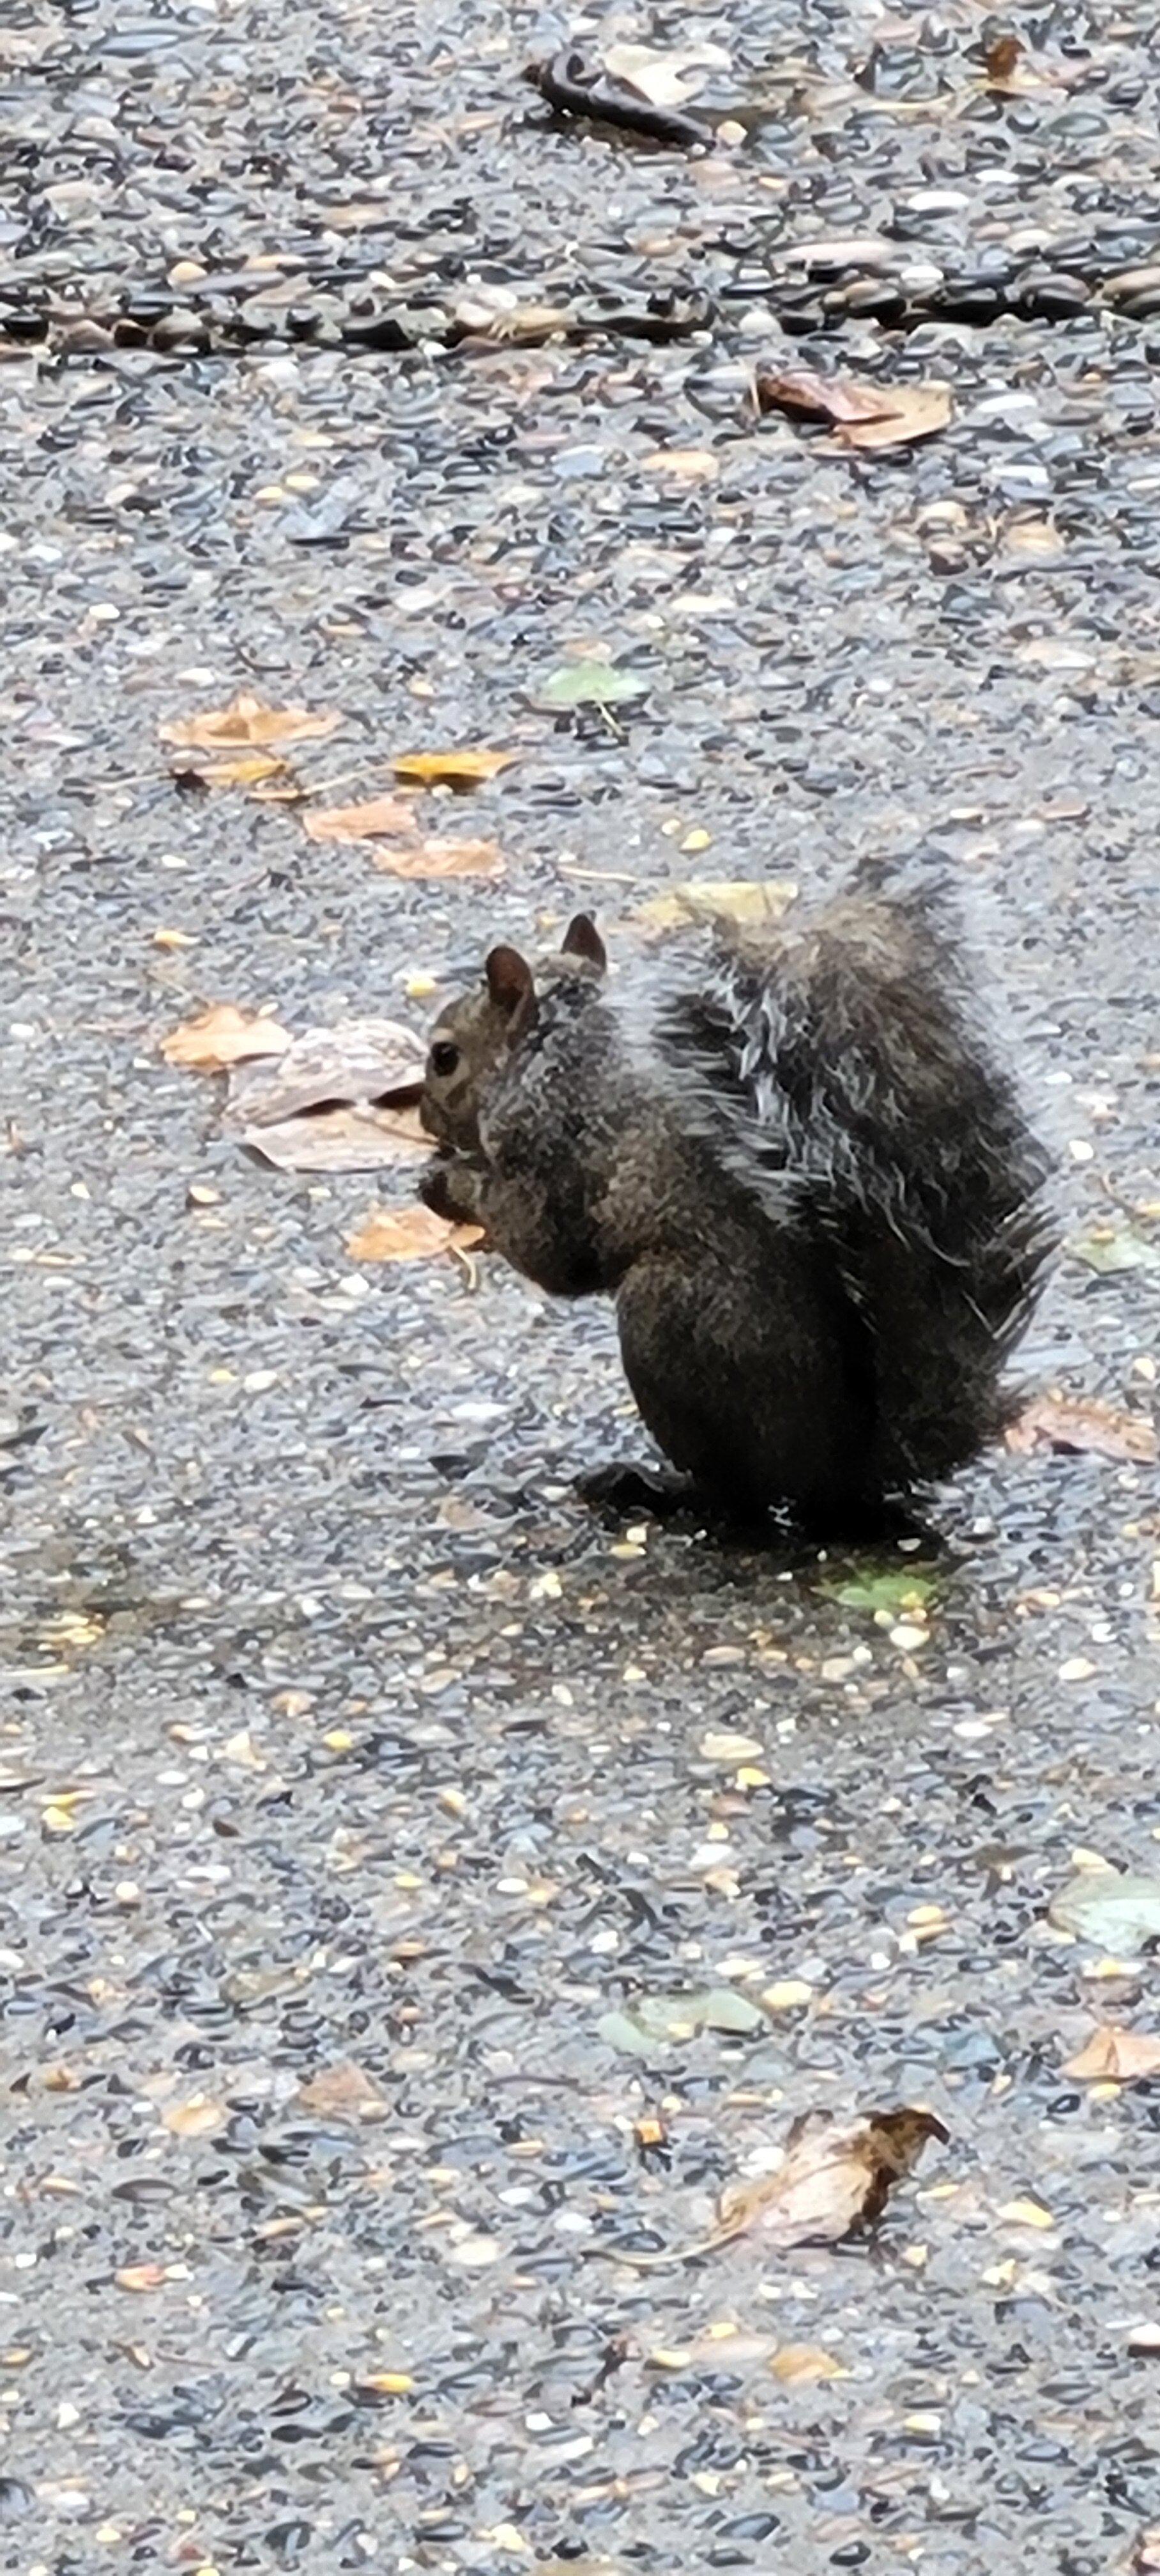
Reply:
x=684 y=464
x=443 y=859
x=223 y=1036
x=749 y=903
x=1115 y=2057
x=1061 y=1422
x=916 y=411
x=242 y=769
x=198 y=2118
x=343 y=2092
x=1009 y=71
x=831 y=398
x=833 y=2181
x=863 y=416
x=798 y=2364
x=1001 y=58
x=366 y=1060
x=381 y=817
x=247 y=721
x=346 y=1139
x=833 y=2178
x=141 y=2276
x=663 y=78
x=458 y=769
x=409 y=1234
x=341 y=1099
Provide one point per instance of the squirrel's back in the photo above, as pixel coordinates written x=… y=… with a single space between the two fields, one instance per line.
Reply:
x=845 y=1064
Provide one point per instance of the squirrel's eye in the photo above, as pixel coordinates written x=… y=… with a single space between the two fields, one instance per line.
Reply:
x=444 y=1056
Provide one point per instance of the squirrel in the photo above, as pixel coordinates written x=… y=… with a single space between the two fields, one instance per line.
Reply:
x=796 y=1163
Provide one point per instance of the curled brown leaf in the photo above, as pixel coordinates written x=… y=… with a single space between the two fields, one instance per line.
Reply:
x=247 y=722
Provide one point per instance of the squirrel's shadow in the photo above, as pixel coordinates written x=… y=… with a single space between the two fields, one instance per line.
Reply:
x=618 y=1492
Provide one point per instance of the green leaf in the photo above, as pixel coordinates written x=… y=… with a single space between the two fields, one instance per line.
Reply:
x=591 y=684
x=1114 y=1908
x=1112 y=1253
x=662 y=2021
x=906 y=1588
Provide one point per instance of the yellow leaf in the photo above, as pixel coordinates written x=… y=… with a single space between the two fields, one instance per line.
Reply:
x=409 y=1234
x=241 y=769
x=1026 y=2213
x=458 y=769
x=174 y=939
x=247 y=722
x=379 y=818
x=443 y=859
x=222 y=1036
x=745 y=901
x=386 y=2383
x=799 y=2363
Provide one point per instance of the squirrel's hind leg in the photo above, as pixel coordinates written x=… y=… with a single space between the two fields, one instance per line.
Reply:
x=746 y=1378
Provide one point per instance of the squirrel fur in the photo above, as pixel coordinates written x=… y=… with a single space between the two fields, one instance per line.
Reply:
x=796 y=1163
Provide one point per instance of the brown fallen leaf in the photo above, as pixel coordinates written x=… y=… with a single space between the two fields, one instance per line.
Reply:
x=409 y=1234
x=199 y=2117
x=917 y=411
x=343 y=2092
x=832 y=398
x=364 y=1061
x=1115 y=2057
x=246 y=721
x=458 y=769
x=862 y=416
x=747 y=902
x=442 y=859
x=835 y=2180
x=355 y=1138
x=140 y=2276
x=223 y=1036
x=241 y=769
x=1001 y=58
x=1064 y=1422
x=380 y=818
x=1010 y=71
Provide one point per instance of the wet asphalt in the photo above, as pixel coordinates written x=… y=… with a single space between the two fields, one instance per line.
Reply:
x=351 y=1773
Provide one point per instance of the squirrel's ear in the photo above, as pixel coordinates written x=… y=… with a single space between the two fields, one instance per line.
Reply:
x=509 y=983
x=582 y=939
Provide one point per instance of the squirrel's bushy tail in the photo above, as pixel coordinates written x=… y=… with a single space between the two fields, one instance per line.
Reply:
x=855 y=1041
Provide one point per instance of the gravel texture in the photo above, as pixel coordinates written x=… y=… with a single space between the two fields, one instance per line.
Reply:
x=351 y=1772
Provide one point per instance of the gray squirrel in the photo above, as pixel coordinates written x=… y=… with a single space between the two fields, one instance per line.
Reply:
x=799 y=1167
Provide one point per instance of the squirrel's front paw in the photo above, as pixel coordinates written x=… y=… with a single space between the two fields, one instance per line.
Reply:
x=450 y=1185
x=624 y=1487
